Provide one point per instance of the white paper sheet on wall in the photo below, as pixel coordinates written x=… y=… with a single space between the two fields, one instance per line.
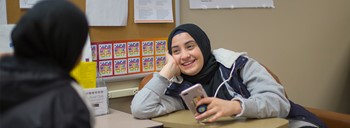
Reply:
x=87 y=55
x=3 y=13
x=217 y=4
x=25 y=4
x=153 y=11
x=5 y=39
x=107 y=12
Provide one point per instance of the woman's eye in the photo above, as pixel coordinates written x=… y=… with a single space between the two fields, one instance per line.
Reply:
x=190 y=47
x=175 y=51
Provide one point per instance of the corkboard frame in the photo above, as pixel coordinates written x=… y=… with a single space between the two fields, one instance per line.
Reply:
x=107 y=33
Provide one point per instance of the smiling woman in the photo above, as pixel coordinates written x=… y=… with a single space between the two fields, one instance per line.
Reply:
x=250 y=90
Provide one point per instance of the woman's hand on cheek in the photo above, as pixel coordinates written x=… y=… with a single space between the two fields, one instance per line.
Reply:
x=170 y=69
x=218 y=108
x=175 y=66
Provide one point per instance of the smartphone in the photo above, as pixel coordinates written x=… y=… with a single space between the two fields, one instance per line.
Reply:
x=192 y=95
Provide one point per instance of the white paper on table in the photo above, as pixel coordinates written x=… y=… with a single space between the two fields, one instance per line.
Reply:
x=153 y=11
x=3 y=12
x=99 y=100
x=5 y=38
x=217 y=4
x=26 y=4
x=107 y=12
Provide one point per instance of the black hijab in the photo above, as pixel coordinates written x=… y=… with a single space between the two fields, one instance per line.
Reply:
x=53 y=31
x=209 y=76
x=210 y=65
x=48 y=41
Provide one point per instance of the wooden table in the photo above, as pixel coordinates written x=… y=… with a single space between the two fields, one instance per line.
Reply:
x=119 y=119
x=185 y=119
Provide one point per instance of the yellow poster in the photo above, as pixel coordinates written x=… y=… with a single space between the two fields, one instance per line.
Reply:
x=85 y=74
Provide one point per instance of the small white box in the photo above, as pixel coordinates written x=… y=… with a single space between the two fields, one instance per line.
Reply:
x=98 y=97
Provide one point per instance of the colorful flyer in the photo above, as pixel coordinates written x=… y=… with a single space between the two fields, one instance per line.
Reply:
x=133 y=49
x=119 y=50
x=133 y=65
x=147 y=48
x=105 y=68
x=148 y=64
x=105 y=51
x=94 y=52
x=120 y=67
x=124 y=57
x=160 y=62
x=160 y=47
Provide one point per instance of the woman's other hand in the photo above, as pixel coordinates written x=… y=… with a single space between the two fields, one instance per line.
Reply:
x=218 y=108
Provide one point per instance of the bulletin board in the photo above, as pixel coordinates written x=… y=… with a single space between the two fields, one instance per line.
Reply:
x=132 y=31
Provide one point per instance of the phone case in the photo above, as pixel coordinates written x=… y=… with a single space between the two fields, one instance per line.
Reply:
x=192 y=95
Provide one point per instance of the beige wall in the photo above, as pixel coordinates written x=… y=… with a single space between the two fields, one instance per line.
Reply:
x=305 y=42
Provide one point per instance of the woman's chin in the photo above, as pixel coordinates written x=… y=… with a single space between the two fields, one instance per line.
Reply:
x=188 y=72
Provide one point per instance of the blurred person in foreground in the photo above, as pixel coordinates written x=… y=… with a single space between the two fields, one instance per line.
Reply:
x=36 y=89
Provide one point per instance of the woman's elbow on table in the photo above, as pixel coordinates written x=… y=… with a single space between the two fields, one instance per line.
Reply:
x=139 y=112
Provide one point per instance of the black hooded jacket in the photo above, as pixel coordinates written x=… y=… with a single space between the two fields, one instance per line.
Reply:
x=35 y=83
x=38 y=95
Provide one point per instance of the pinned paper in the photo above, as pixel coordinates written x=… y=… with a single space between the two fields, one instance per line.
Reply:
x=107 y=12
x=120 y=67
x=148 y=63
x=160 y=47
x=3 y=12
x=134 y=48
x=147 y=48
x=119 y=50
x=218 y=4
x=94 y=52
x=87 y=55
x=105 y=68
x=153 y=11
x=134 y=65
x=85 y=74
x=160 y=62
x=26 y=4
x=105 y=51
